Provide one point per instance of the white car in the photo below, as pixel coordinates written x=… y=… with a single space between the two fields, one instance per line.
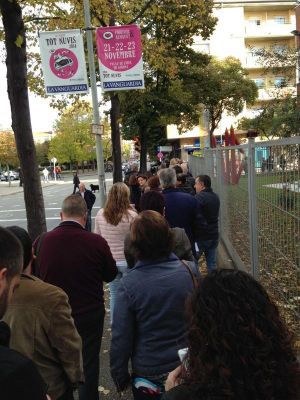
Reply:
x=12 y=174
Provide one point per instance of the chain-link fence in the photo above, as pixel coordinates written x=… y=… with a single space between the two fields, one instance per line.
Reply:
x=259 y=188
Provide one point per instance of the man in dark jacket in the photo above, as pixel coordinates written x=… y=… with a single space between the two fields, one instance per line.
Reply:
x=78 y=262
x=19 y=378
x=133 y=171
x=207 y=230
x=89 y=198
x=181 y=208
x=76 y=182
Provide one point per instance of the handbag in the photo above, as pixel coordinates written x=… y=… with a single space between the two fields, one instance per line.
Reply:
x=196 y=282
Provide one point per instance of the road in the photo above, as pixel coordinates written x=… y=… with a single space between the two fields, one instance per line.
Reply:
x=12 y=207
x=12 y=212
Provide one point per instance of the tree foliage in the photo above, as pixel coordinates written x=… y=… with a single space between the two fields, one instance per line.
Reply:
x=277 y=59
x=222 y=86
x=73 y=141
x=277 y=118
x=8 y=150
x=42 y=150
x=168 y=28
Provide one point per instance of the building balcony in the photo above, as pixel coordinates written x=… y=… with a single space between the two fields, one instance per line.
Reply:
x=268 y=30
x=270 y=93
x=252 y=61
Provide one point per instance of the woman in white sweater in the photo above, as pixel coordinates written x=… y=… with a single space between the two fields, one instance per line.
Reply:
x=113 y=223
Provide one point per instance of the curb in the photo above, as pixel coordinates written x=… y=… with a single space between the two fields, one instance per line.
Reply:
x=20 y=190
x=223 y=258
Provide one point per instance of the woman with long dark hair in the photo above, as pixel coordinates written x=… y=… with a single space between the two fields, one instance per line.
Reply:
x=238 y=346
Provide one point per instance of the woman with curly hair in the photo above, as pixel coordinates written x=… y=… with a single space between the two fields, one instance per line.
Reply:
x=113 y=223
x=239 y=348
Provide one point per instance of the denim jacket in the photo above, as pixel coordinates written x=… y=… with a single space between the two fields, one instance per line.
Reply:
x=149 y=325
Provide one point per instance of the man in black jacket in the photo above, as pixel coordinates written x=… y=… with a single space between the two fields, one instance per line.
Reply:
x=19 y=378
x=207 y=230
x=89 y=199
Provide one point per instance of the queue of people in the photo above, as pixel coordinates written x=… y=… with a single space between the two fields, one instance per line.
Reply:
x=221 y=335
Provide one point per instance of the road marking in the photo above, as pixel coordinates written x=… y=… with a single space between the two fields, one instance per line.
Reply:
x=46 y=209
x=25 y=219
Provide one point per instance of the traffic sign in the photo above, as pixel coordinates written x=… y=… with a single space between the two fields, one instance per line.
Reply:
x=160 y=155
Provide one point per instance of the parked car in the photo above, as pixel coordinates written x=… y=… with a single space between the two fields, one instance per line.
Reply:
x=14 y=176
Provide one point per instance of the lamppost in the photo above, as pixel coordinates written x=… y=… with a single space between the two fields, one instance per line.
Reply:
x=96 y=117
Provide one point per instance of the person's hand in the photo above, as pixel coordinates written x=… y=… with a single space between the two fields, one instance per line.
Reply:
x=174 y=378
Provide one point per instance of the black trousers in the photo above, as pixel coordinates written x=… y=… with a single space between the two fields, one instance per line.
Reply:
x=90 y=328
x=68 y=395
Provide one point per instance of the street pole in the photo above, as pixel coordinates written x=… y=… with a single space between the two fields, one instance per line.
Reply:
x=96 y=116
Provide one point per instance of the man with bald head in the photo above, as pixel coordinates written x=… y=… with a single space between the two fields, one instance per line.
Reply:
x=79 y=261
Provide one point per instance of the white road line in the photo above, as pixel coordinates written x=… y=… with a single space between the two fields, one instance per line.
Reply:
x=46 y=209
x=25 y=219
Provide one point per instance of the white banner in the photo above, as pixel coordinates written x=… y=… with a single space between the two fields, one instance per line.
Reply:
x=63 y=62
x=120 y=57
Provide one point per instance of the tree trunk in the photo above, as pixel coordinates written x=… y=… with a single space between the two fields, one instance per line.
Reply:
x=15 y=44
x=211 y=133
x=115 y=137
x=143 y=155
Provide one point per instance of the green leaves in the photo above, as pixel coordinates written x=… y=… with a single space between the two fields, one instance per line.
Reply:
x=73 y=140
x=280 y=117
x=19 y=41
x=222 y=86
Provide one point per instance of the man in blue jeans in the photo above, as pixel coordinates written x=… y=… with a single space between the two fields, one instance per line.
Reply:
x=206 y=229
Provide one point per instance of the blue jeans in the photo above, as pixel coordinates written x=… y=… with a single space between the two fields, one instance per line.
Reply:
x=114 y=285
x=209 y=248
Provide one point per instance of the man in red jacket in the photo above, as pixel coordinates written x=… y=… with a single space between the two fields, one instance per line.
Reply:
x=79 y=261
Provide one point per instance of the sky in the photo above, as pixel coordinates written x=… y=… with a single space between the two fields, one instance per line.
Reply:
x=42 y=115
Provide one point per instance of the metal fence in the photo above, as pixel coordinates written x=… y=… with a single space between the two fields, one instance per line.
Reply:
x=259 y=188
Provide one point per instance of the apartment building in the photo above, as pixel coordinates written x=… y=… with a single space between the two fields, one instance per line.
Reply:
x=244 y=28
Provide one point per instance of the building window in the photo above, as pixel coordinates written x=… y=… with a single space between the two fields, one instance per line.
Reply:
x=254 y=21
x=280 y=82
x=280 y=48
x=259 y=82
x=256 y=51
x=279 y=20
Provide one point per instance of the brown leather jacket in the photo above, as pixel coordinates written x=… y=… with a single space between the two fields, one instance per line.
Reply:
x=43 y=330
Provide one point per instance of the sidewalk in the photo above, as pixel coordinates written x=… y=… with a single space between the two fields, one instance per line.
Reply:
x=6 y=190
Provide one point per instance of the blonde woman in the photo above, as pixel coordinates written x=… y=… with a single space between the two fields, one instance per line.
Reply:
x=113 y=223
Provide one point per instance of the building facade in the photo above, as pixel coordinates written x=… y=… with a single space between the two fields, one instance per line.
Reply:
x=244 y=29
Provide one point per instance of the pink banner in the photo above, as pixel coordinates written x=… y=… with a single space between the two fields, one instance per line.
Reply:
x=120 y=56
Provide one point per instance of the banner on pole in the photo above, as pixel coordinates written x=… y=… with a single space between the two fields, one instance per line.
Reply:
x=120 y=57
x=63 y=62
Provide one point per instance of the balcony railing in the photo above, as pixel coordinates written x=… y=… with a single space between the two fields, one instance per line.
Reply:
x=269 y=92
x=252 y=61
x=268 y=29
